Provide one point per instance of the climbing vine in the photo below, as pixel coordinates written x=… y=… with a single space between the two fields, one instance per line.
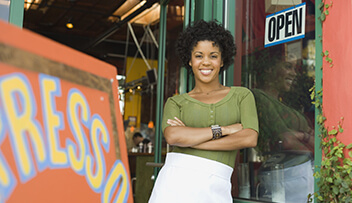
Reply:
x=324 y=8
x=334 y=177
x=327 y=58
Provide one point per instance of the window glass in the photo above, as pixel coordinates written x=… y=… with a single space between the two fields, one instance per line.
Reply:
x=280 y=168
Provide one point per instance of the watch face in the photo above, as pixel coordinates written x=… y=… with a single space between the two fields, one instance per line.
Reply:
x=216 y=132
x=217 y=135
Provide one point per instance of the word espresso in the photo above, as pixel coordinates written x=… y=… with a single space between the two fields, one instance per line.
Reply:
x=41 y=142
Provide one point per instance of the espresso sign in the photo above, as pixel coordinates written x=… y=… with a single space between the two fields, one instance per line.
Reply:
x=61 y=131
x=285 y=26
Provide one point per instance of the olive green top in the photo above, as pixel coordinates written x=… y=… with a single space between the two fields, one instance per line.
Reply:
x=276 y=119
x=238 y=106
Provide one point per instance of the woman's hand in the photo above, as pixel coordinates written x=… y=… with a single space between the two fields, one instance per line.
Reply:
x=231 y=129
x=179 y=134
x=294 y=140
x=176 y=122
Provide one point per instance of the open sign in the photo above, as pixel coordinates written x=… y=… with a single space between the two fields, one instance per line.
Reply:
x=286 y=25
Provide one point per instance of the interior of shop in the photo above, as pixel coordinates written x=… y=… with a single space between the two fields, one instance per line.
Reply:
x=124 y=33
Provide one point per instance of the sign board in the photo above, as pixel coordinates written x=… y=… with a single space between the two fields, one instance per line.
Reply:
x=286 y=25
x=61 y=131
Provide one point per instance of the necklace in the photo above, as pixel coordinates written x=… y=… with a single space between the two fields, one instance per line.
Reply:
x=207 y=93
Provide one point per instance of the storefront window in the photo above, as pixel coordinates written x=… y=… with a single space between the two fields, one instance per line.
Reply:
x=280 y=168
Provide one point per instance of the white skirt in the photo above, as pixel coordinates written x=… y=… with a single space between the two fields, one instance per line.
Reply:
x=186 y=178
x=296 y=183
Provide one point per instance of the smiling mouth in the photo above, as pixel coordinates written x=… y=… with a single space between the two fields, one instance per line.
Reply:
x=289 y=80
x=206 y=72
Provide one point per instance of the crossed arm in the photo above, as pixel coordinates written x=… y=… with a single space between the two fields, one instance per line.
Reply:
x=234 y=136
x=301 y=141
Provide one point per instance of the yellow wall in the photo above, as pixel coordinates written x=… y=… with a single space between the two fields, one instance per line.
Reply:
x=133 y=101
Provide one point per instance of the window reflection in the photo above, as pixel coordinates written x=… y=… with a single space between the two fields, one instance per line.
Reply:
x=286 y=136
x=280 y=168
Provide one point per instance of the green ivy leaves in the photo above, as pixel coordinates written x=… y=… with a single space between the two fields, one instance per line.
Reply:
x=334 y=177
x=324 y=10
x=335 y=174
x=327 y=58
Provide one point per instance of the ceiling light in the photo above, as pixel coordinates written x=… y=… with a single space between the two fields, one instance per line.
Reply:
x=133 y=9
x=120 y=77
x=148 y=16
x=69 y=25
x=32 y=4
x=126 y=7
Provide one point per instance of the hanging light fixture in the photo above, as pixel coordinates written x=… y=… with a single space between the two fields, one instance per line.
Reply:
x=151 y=124
x=132 y=129
x=69 y=24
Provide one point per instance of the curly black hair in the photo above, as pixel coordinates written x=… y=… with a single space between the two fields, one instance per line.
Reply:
x=209 y=31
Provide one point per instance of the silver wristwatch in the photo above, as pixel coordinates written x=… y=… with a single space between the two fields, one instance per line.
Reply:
x=217 y=133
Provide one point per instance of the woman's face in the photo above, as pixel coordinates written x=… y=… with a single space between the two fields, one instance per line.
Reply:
x=206 y=62
x=286 y=74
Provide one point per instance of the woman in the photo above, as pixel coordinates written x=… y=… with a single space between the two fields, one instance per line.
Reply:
x=285 y=133
x=282 y=127
x=206 y=126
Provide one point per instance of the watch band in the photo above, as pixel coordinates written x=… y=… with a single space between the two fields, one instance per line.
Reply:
x=217 y=133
